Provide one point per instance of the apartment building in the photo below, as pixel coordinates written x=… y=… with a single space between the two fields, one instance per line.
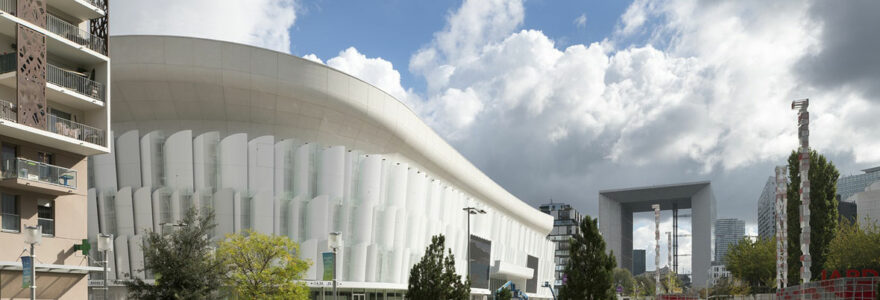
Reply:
x=54 y=113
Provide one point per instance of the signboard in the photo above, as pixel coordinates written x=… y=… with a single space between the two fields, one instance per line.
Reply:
x=329 y=260
x=27 y=269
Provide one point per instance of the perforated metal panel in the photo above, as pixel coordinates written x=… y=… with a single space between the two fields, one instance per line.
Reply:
x=100 y=27
x=31 y=76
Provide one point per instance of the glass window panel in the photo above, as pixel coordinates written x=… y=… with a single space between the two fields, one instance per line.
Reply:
x=10 y=213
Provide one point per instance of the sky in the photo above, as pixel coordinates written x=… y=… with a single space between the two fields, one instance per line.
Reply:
x=558 y=99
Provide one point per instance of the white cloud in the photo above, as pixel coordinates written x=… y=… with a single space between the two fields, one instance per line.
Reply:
x=262 y=23
x=710 y=99
x=375 y=71
x=313 y=57
x=581 y=21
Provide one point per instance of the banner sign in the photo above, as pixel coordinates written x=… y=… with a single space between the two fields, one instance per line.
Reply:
x=329 y=260
x=27 y=269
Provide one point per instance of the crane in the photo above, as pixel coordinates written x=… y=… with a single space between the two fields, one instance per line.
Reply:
x=517 y=294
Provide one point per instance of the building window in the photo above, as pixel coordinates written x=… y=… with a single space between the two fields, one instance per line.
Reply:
x=46 y=216
x=8 y=157
x=10 y=213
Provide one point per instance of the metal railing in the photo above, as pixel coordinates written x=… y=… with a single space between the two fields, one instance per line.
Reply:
x=75 y=82
x=60 y=77
x=8 y=111
x=64 y=28
x=8 y=6
x=40 y=172
x=75 y=130
x=74 y=34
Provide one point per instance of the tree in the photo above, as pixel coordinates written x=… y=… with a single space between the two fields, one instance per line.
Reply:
x=645 y=285
x=623 y=278
x=855 y=246
x=504 y=294
x=753 y=262
x=260 y=266
x=729 y=286
x=589 y=270
x=181 y=261
x=823 y=213
x=434 y=276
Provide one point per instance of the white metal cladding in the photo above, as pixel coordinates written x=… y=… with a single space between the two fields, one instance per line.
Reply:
x=386 y=210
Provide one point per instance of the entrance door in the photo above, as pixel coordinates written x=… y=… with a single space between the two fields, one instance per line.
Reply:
x=358 y=297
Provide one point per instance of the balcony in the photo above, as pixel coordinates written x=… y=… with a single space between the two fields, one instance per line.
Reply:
x=20 y=173
x=66 y=87
x=75 y=130
x=63 y=38
x=74 y=137
x=74 y=34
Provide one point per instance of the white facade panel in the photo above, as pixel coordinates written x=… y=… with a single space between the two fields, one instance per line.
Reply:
x=128 y=159
x=178 y=149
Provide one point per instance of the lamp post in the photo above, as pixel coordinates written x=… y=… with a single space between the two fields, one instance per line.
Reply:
x=33 y=235
x=470 y=211
x=552 y=292
x=334 y=242
x=105 y=244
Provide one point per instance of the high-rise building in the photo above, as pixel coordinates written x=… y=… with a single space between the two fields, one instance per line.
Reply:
x=54 y=113
x=728 y=232
x=850 y=185
x=565 y=225
x=868 y=204
x=767 y=210
x=639 y=263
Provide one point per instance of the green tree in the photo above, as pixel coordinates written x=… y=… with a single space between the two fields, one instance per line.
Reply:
x=260 y=266
x=504 y=294
x=729 y=286
x=623 y=278
x=434 y=276
x=753 y=262
x=823 y=213
x=855 y=246
x=181 y=261
x=644 y=285
x=588 y=274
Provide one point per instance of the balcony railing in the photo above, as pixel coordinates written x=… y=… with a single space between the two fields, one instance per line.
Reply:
x=8 y=111
x=60 y=77
x=74 y=34
x=75 y=82
x=8 y=6
x=76 y=130
x=39 y=172
x=65 y=29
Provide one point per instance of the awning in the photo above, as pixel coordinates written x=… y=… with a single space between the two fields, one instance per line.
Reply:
x=50 y=268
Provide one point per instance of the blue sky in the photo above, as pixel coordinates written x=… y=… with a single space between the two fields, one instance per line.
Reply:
x=394 y=30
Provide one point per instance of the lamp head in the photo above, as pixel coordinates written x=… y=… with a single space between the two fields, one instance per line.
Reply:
x=105 y=242
x=33 y=235
x=334 y=241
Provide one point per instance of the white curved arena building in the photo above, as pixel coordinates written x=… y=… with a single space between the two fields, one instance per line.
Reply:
x=287 y=146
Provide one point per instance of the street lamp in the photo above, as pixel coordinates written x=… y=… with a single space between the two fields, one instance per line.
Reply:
x=334 y=242
x=552 y=292
x=105 y=244
x=470 y=211
x=33 y=235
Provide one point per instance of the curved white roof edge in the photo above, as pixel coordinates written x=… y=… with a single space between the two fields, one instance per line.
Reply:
x=394 y=117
